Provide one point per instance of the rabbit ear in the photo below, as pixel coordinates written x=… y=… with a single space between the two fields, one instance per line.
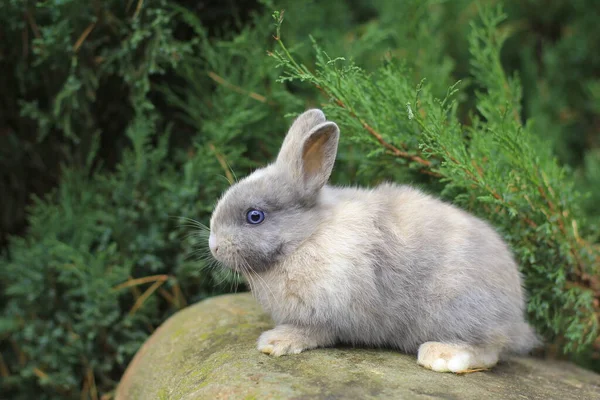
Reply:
x=298 y=132
x=309 y=150
x=318 y=155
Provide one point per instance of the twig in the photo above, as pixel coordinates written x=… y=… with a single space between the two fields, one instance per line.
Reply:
x=490 y=190
x=237 y=89
x=478 y=168
x=390 y=147
x=430 y=173
x=397 y=152
x=393 y=149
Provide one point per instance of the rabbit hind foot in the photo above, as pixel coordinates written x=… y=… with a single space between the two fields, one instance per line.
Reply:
x=457 y=358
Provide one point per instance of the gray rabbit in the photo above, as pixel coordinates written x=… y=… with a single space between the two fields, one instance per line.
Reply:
x=388 y=267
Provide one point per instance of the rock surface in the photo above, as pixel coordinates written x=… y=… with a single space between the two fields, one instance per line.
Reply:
x=208 y=351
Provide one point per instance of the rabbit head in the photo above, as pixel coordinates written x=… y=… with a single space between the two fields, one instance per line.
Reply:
x=262 y=218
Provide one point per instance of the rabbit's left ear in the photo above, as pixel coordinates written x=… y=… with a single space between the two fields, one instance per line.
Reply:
x=309 y=150
x=297 y=133
x=318 y=155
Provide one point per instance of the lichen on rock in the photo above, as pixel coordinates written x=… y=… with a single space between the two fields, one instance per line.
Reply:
x=208 y=351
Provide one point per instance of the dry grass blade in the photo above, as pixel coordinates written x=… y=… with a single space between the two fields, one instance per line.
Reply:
x=39 y=373
x=169 y=297
x=33 y=25
x=223 y=164
x=108 y=396
x=92 y=380
x=138 y=8
x=179 y=295
x=470 y=371
x=141 y=281
x=237 y=89
x=142 y=299
x=85 y=389
x=83 y=36
x=21 y=357
x=4 y=371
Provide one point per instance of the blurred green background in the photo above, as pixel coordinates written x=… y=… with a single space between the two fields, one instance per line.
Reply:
x=118 y=119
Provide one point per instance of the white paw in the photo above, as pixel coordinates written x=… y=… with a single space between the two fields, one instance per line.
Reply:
x=440 y=365
x=279 y=342
x=441 y=357
x=455 y=363
x=460 y=362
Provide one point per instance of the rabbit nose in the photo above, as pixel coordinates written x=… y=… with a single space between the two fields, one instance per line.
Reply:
x=212 y=243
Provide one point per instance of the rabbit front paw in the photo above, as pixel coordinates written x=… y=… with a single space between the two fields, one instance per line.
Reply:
x=285 y=339
x=444 y=357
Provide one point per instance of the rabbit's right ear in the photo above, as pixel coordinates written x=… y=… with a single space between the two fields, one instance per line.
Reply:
x=309 y=150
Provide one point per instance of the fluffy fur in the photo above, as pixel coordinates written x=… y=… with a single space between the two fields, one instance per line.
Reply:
x=389 y=266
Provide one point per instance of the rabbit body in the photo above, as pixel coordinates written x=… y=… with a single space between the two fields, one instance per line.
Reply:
x=393 y=266
x=388 y=266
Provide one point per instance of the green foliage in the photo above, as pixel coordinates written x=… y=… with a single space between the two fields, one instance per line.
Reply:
x=70 y=319
x=62 y=64
x=146 y=111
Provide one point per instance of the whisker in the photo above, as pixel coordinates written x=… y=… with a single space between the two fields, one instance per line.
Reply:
x=237 y=281
x=248 y=278
x=196 y=226
x=224 y=278
x=232 y=281
x=220 y=273
x=261 y=280
x=194 y=235
x=203 y=252
x=195 y=229
x=245 y=277
x=188 y=220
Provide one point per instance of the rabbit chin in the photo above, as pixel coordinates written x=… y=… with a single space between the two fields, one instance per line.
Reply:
x=250 y=264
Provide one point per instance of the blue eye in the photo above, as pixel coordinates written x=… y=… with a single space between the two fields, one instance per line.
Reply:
x=255 y=216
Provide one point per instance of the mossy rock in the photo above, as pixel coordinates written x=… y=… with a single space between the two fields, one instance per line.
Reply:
x=208 y=351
